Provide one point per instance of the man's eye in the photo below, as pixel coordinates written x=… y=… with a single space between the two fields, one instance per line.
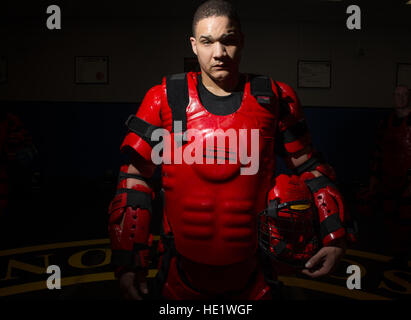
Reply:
x=205 y=42
x=230 y=41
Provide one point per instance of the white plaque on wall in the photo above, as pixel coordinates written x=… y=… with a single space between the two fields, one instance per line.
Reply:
x=314 y=74
x=91 y=70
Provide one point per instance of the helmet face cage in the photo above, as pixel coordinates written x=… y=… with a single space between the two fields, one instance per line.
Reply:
x=287 y=232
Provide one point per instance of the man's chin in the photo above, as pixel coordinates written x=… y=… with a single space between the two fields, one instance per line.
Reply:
x=220 y=75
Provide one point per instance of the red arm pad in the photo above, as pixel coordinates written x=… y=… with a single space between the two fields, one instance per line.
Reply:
x=130 y=210
x=331 y=214
x=141 y=125
x=133 y=141
x=326 y=170
x=295 y=139
x=129 y=222
x=293 y=135
x=329 y=203
x=134 y=229
x=297 y=145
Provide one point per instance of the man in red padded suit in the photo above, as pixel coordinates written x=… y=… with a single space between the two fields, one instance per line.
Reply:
x=390 y=181
x=209 y=229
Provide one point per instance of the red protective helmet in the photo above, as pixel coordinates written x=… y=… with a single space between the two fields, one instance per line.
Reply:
x=287 y=227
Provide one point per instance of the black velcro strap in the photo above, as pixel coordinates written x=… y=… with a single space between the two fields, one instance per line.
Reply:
x=137 y=199
x=308 y=165
x=124 y=175
x=142 y=128
x=177 y=98
x=280 y=247
x=319 y=183
x=272 y=209
x=261 y=86
x=295 y=132
x=330 y=224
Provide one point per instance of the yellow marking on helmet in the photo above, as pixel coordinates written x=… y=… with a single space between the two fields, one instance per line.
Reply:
x=300 y=206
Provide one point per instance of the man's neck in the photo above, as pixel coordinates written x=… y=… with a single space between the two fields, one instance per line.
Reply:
x=223 y=88
x=403 y=112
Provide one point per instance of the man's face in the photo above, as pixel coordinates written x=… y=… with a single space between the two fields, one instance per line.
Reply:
x=401 y=97
x=217 y=44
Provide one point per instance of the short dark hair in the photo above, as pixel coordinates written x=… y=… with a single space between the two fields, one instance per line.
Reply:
x=219 y=8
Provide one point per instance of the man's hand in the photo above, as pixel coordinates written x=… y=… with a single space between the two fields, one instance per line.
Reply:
x=324 y=261
x=133 y=285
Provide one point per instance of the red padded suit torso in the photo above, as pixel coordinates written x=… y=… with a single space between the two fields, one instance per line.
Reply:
x=212 y=208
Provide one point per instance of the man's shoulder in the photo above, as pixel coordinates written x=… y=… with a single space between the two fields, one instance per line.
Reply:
x=154 y=96
x=156 y=91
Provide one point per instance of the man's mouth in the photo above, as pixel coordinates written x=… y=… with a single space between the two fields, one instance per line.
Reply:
x=221 y=66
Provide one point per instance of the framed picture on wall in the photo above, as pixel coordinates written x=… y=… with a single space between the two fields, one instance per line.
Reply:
x=314 y=74
x=404 y=74
x=3 y=69
x=91 y=70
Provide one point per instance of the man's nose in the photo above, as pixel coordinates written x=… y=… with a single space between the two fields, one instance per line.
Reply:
x=219 y=50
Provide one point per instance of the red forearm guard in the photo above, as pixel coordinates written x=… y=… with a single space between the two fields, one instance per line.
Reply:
x=330 y=207
x=350 y=226
x=129 y=222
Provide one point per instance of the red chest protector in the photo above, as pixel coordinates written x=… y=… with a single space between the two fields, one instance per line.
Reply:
x=212 y=208
x=396 y=146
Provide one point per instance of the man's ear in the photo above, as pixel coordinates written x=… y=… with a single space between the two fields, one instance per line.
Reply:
x=193 y=44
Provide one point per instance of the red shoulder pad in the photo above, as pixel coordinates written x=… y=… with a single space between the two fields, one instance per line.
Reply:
x=326 y=170
x=149 y=111
x=292 y=112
